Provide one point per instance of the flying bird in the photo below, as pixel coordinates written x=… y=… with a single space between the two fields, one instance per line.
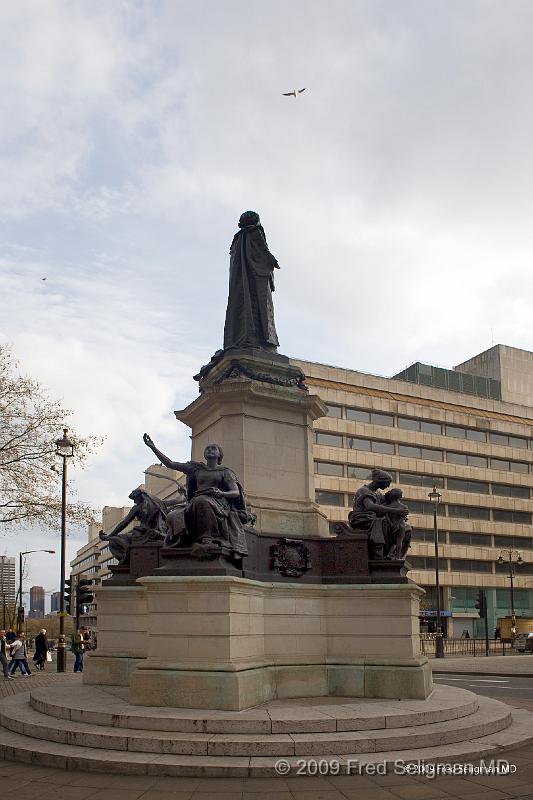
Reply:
x=293 y=93
x=43 y=279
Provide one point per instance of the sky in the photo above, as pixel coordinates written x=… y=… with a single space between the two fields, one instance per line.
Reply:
x=396 y=193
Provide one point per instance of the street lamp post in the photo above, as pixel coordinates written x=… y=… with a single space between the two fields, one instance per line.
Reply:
x=435 y=498
x=65 y=449
x=508 y=555
x=20 y=617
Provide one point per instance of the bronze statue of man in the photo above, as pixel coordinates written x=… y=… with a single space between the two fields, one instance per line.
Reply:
x=216 y=508
x=250 y=311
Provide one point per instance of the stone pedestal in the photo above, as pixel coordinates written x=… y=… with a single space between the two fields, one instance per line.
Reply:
x=255 y=405
x=122 y=635
x=232 y=643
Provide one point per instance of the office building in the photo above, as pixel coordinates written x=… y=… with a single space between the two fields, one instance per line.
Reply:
x=36 y=601
x=55 y=602
x=467 y=431
x=7 y=580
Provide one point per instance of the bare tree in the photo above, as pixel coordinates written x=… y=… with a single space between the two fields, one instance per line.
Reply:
x=30 y=422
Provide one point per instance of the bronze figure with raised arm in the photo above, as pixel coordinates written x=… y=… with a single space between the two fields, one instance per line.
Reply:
x=216 y=508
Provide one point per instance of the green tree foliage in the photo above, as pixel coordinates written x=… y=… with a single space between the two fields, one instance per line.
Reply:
x=30 y=422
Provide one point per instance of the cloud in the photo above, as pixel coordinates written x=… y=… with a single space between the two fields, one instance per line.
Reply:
x=396 y=193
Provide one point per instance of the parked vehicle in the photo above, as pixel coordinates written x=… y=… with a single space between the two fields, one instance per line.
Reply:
x=524 y=643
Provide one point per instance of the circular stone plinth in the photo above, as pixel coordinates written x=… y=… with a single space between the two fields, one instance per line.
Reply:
x=108 y=706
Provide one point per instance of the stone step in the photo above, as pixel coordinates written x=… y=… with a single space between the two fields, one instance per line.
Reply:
x=109 y=707
x=17 y=747
x=17 y=715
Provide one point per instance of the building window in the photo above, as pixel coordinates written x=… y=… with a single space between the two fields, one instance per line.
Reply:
x=329 y=439
x=421 y=425
x=334 y=411
x=508 y=466
x=329 y=498
x=368 y=445
x=477 y=539
x=465 y=565
x=362 y=473
x=518 y=517
x=328 y=468
x=383 y=447
x=358 y=444
x=523 y=569
x=458 y=485
x=457 y=433
x=381 y=419
x=423 y=507
x=427 y=535
x=518 y=542
x=356 y=415
x=464 y=459
x=420 y=452
x=504 y=440
x=412 y=479
x=424 y=562
x=468 y=512
x=503 y=490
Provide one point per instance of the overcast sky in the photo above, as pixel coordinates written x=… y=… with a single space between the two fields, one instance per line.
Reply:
x=396 y=193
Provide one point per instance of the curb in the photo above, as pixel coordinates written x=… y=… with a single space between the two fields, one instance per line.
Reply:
x=488 y=674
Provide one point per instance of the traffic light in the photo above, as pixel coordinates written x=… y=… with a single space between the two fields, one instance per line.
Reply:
x=84 y=596
x=481 y=604
x=68 y=596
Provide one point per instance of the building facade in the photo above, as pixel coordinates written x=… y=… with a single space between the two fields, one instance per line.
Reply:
x=55 y=602
x=467 y=431
x=36 y=601
x=7 y=580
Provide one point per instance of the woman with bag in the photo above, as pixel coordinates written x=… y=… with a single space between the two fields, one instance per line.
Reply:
x=42 y=650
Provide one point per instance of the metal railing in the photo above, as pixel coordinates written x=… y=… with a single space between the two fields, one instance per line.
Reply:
x=464 y=647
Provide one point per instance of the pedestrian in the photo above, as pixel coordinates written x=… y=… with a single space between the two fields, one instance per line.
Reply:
x=77 y=646
x=19 y=656
x=3 y=655
x=42 y=648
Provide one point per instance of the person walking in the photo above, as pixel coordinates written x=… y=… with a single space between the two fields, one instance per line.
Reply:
x=3 y=656
x=77 y=646
x=19 y=656
x=11 y=636
x=42 y=648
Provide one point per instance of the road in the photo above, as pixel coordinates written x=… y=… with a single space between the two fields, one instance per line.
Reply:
x=515 y=691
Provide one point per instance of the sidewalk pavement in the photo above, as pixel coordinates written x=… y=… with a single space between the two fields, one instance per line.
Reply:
x=515 y=666
x=27 y=781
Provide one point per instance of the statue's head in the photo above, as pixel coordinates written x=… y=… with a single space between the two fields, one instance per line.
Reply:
x=393 y=495
x=214 y=451
x=380 y=478
x=248 y=218
x=136 y=495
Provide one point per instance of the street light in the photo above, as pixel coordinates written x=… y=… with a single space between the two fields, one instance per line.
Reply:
x=65 y=449
x=435 y=498
x=510 y=556
x=20 y=617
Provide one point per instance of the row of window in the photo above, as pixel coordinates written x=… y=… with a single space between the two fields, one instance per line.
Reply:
x=474 y=539
x=425 y=453
x=418 y=479
x=328 y=498
x=425 y=426
x=466 y=565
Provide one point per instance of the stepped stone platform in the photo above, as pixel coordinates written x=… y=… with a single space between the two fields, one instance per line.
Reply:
x=97 y=729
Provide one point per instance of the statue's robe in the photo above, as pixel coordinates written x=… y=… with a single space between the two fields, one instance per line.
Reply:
x=250 y=311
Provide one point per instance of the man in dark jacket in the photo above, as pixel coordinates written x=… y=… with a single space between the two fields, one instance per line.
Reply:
x=41 y=649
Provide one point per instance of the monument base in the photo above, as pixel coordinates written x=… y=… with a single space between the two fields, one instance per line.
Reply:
x=237 y=691
x=230 y=643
